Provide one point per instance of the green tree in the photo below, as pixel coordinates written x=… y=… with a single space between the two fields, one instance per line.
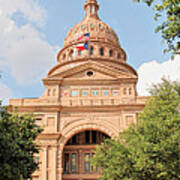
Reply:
x=149 y=150
x=169 y=12
x=17 y=146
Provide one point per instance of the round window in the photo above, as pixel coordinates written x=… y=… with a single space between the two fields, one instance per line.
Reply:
x=90 y=73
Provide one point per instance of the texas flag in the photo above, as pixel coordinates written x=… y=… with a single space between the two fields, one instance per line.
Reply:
x=84 y=37
x=83 y=46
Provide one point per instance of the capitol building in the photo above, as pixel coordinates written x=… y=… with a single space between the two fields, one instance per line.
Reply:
x=90 y=95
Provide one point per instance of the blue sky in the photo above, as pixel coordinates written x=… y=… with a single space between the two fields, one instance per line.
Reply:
x=32 y=32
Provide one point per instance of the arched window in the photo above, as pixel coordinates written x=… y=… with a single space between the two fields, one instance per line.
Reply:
x=79 y=53
x=91 y=50
x=102 y=52
x=111 y=53
x=71 y=53
x=119 y=56
x=64 y=56
x=130 y=91
x=73 y=155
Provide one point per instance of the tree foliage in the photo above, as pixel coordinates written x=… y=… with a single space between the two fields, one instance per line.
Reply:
x=17 y=146
x=149 y=150
x=169 y=12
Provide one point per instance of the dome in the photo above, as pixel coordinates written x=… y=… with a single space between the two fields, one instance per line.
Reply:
x=102 y=40
x=91 y=41
x=99 y=31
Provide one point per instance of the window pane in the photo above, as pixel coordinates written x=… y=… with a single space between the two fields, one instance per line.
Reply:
x=87 y=134
x=74 y=139
x=91 y=51
x=74 y=93
x=66 y=163
x=94 y=137
x=87 y=163
x=102 y=52
x=94 y=92
x=85 y=93
x=110 y=53
x=73 y=163
x=105 y=93
x=94 y=169
x=115 y=92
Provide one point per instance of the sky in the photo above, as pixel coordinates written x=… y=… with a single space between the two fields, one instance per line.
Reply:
x=33 y=31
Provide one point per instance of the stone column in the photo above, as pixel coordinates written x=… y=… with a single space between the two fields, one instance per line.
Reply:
x=44 y=163
x=54 y=173
x=60 y=168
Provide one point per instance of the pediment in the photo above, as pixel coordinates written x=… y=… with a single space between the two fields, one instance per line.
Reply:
x=99 y=71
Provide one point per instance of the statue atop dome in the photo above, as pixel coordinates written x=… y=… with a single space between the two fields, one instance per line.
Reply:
x=91 y=7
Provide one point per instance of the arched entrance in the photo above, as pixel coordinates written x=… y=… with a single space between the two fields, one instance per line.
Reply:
x=77 y=154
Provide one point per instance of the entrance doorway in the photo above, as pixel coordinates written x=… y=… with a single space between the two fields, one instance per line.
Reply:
x=77 y=154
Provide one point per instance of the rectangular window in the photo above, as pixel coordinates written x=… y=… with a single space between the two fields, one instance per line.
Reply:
x=87 y=163
x=93 y=168
x=115 y=92
x=105 y=92
x=87 y=136
x=94 y=92
x=74 y=93
x=66 y=163
x=73 y=163
x=84 y=93
x=94 y=137
x=74 y=139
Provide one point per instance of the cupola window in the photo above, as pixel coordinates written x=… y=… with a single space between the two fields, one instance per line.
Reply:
x=130 y=91
x=102 y=52
x=79 y=53
x=91 y=50
x=111 y=53
x=64 y=56
x=71 y=53
x=119 y=56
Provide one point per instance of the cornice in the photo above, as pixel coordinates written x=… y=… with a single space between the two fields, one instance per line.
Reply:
x=93 y=59
x=49 y=136
x=91 y=41
x=36 y=108
x=73 y=81
x=102 y=108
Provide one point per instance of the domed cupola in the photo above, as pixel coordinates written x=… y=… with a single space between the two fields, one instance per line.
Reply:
x=91 y=43
x=102 y=43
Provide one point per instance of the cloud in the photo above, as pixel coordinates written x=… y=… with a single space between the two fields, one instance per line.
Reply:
x=152 y=72
x=30 y=9
x=24 y=50
x=5 y=93
x=29 y=57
